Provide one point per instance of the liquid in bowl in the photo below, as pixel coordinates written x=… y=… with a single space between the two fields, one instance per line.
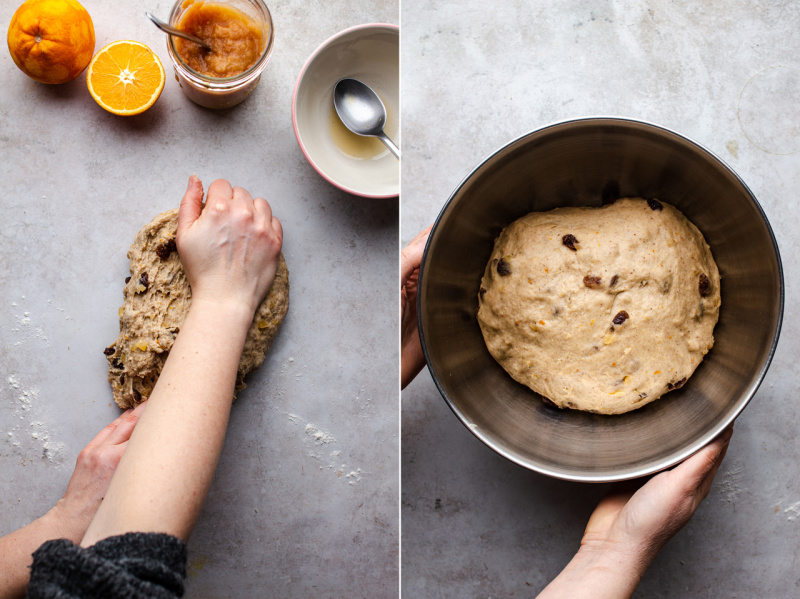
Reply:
x=360 y=147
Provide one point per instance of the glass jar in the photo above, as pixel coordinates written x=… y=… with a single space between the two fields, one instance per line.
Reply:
x=221 y=92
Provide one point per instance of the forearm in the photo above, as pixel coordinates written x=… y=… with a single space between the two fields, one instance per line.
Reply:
x=17 y=548
x=172 y=454
x=597 y=574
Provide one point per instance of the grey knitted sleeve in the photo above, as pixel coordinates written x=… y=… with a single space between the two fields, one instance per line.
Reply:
x=133 y=566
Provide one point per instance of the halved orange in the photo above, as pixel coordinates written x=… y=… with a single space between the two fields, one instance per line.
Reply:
x=125 y=77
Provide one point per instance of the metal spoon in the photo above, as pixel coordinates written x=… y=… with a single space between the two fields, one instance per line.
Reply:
x=176 y=32
x=362 y=111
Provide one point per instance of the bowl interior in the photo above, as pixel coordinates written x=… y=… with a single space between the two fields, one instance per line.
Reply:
x=370 y=54
x=578 y=163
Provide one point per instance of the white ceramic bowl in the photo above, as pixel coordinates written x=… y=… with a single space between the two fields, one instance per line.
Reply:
x=369 y=53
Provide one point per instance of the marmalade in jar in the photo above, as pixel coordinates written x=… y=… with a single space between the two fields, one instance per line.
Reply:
x=236 y=39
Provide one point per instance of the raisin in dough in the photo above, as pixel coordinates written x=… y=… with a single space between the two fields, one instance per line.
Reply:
x=157 y=299
x=600 y=309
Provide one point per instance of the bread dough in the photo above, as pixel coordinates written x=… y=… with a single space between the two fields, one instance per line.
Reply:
x=600 y=309
x=157 y=300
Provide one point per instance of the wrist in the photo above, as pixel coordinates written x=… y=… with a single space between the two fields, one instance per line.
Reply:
x=598 y=571
x=64 y=522
x=232 y=312
x=634 y=555
x=617 y=568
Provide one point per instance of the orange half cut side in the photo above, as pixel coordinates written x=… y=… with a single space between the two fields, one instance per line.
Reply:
x=125 y=77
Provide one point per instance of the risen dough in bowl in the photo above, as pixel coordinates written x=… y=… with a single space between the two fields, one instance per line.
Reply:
x=600 y=309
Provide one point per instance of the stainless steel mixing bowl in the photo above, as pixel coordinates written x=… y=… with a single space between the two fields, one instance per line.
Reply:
x=578 y=163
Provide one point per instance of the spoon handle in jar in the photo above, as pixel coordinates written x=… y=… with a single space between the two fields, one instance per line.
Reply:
x=169 y=30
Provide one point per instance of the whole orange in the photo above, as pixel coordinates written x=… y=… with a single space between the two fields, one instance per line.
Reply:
x=51 y=41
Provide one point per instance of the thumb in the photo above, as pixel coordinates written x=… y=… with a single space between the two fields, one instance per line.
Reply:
x=411 y=255
x=606 y=512
x=191 y=205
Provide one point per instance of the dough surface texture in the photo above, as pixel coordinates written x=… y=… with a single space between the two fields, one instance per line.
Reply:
x=157 y=299
x=600 y=309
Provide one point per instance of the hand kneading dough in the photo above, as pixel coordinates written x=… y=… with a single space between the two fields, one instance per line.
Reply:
x=600 y=309
x=157 y=300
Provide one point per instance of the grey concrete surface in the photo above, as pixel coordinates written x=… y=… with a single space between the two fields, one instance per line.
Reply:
x=305 y=499
x=477 y=75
